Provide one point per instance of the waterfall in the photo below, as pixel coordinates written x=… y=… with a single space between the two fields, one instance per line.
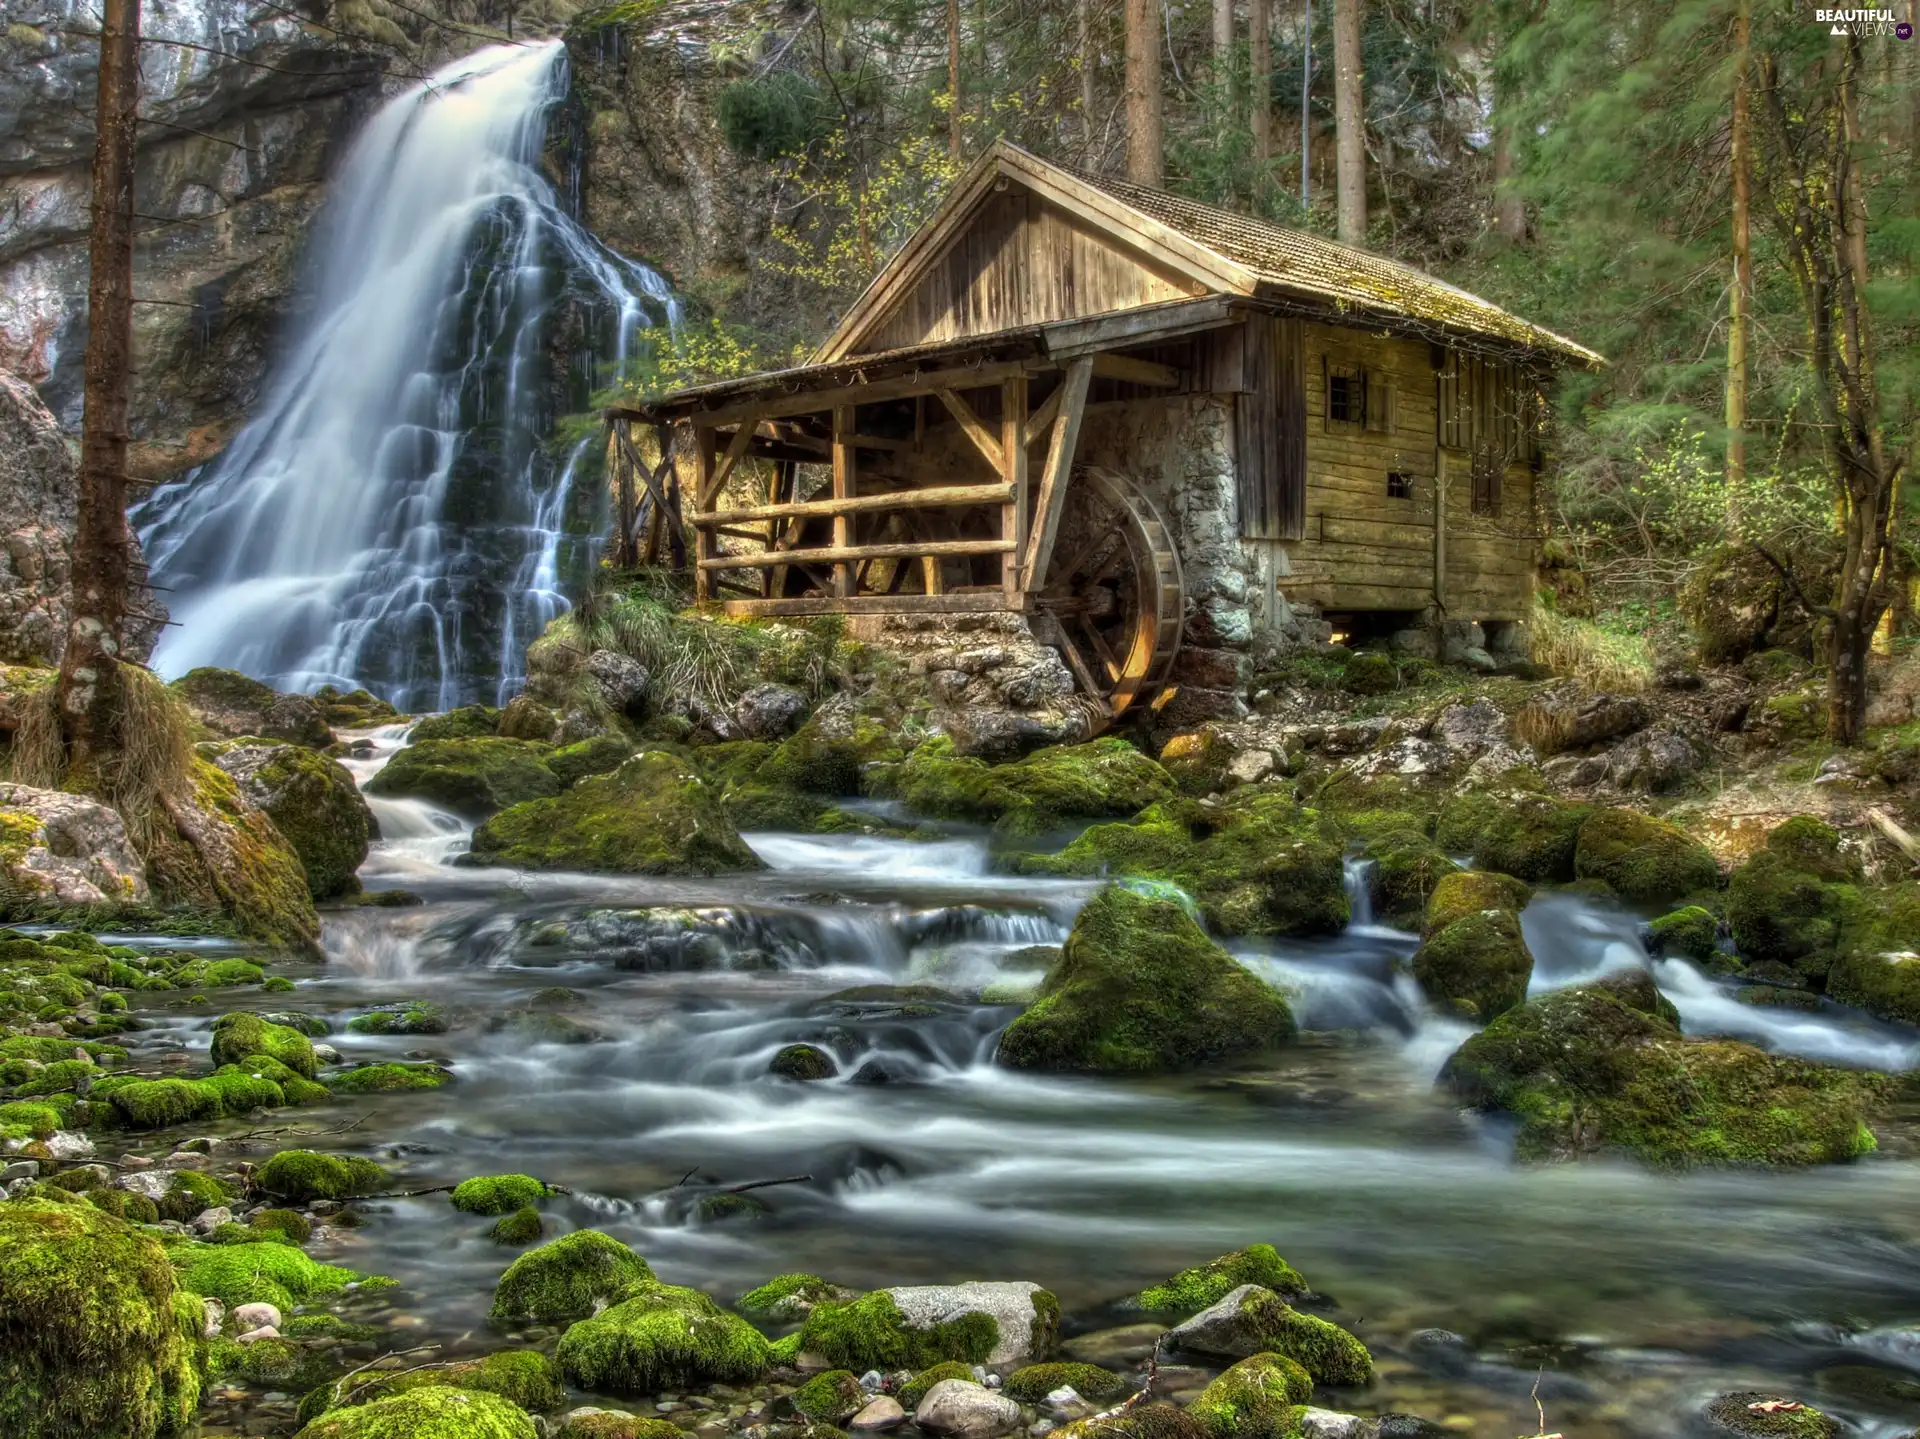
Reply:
x=398 y=512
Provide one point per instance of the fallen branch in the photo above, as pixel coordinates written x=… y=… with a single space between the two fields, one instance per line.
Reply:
x=1903 y=841
x=768 y=1183
x=339 y=1394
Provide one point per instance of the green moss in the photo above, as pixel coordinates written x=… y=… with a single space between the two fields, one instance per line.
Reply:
x=277 y=1274
x=1533 y=837
x=1192 y=1290
x=1257 y=1398
x=827 y=754
x=125 y=1204
x=1877 y=968
x=432 y=1412
x=276 y=1364
x=472 y=777
x=784 y=1350
x=330 y=1326
x=111 y=1349
x=1478 y=966
x=190 y=1193
x=302 y=1175
x=215 y=974
x=915 y=1389
x=522 y=1227
x=1642 y=859
x=830 y=1398
x=600 y=755
x=1759 y=1415
x=161 y=1103
x=871 y=1333
x=804 y=1062
x=1407 y=866
x=1603 y=1066
x=1789 y=903
x=386 y=1078
x=28 y=1121
x=651 y=816
x=1147 y=1421
x=1105 y=778
x=1035 y=1382
x=524 y=1377
x=1328 y=1353
x=760 y=807
x=242 y=862
x=496 y=1194
x=1140 y=988
x=238 y=1037
x=661 y=1337
x=1469 y=892
x=789 y=1296
x=1692 y=933
x=414 y=1016
x=466 y=722
x=563 y=1279
x=277 y=984
x=313 y=801
x=718 y=1208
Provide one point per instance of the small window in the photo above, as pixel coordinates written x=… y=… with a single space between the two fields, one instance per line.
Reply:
x=1399 y=486
x=1346 y=399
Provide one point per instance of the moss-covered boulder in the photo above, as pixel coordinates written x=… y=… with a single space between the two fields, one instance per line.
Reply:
x=524 y=1377
x=653 y=815
x=1251 y=1320
x=788 y=1298
x=1258 y=1398
x=602 y=754
x=1477 y=966
x=496 y=1194
x=466 y=722
x=567 y=1278
x=828 y=754
x=1642 y=859
x=1192 y=1290
x=474 y=777
x=1759 y=1414
x=431 y=1412
x=516 y=1230
x=1257 y=863
x=830 y=1398
x=918 y=1326
x=915 y=1389
x=1469 y=891
x=1690 y=932
x=660 y=1337
x=232 y=705
x=1144 y=1421
x=303 y=1175
x=238 y=1037
x=386 y=1078
x=1034 y=1383
x=100 y=1339
x=1604 y=1067
x=1790 y=903
x=313 y=801
x=262 y=1273
x=1878 y=968
x=1103 y=779
x=803 y=1062
x=1514 y=827
x=1408 y=866
x=1139 y=988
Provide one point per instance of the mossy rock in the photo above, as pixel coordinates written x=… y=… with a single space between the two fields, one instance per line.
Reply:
x=432 y=1412
x=289 y=1223
x=1755 y=1414
x=828 y=753
x=1257 y=863
x=1370 y=673
x=1140 y=989
x=1035 y=1382
x=803 y=1062
x=1790 y=903
x=125 y=1204
x=238 y=1037
x=1642 y=859
x=1469 y=891
x=602 y=754
x=1252 y=1320
x=1877 y=968
x=466 y=722
x=1730 y=601
x=661 y=1337
x=830 y=1398
x=1147 y=1421
x=1476 y=967
x=1603 y=1067
x=1408 y=867
x=265 y=1273
x=1258 y=1398
x=589 y=1423
x=313 y=801
x=871 y=1333
x=387 y=1078
x=1690 y=933
x=516 y=1230
x=304 y=1175
x=496 y=1194
x=190 y=1193
x=564 y=1279
x=223 y=853
x=112 y=1346
x=1102 y=779
x=524 y=1377
x=653 y=815
x=915 y=1389
x=413 y=1016
x=787 y=1298
x=759 y=807
x=471 y=777
x=1529 y=836
x=1192 y=1290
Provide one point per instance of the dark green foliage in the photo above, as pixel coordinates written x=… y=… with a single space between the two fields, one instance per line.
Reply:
x=770 y=116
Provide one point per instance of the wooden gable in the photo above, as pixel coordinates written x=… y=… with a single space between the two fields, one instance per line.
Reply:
x=1021 y=260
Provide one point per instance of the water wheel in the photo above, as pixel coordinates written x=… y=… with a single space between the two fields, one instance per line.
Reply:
x=1112 y=601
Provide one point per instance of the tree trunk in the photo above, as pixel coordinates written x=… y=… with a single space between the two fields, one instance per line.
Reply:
x=1144 y=163
x=1740 y=305
x=1222 y=40
x=1350 y=120
x=953 y=80
x=1260 y=82
x=90 y=682
x=1509 y=210
x=1306 y=104
x=1083 y=34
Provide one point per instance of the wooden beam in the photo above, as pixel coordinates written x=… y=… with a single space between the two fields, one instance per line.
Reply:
x=844 y=480
x=703 y=448
x=935 y=497
x=1137 y=372
x=1013 y=468
x=736 y=447
x=960 y=604
x=1069 y=339
x=1041 y=419
x=844 y=556
x=780 y=404
x=984 y=440
x=1054 y=478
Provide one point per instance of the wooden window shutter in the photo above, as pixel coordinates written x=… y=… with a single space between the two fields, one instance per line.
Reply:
x=1270 y=431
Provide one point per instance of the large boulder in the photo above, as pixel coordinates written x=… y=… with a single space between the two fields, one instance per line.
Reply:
x=102 y=1338
x=61 y=849
x=1104 y=779
x=1604 y=1067
x=1257 y=1398
x=829 y=754
x=1642 y=859
x=660 y=1337
x=432 y=1412
x=1475 y=966
x=234 y=706
x=313 y=801
x=1207 y=1284
x=1251 y=1320
x=1257 y=863
x=1000 y=1324
x=1730 y=602
x=473 y=777
x=1790 y=903
x=965 y=1410
x=1877 y=967
x=570 y=1278
x=1139 y=988
x=239 y=1037
x=1512 y=825
x=653 y=815
x=223 y=852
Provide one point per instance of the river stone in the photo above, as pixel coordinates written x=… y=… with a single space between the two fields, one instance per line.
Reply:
x=965 y=1410
x=1009 y=1303
x=1753 y=1414
x=1252 y=1320
x=208 y=1220
x=883 y=1412
x=314 y=801
x=257 y=1315
x=1332 y=1424
x=149 y=1183
x=67 y=848
x=769 y=711
x=621 y=680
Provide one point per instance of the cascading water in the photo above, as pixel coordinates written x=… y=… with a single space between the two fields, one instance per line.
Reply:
x=396 y=514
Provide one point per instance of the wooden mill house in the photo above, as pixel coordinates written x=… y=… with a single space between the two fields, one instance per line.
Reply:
x=1135 y=420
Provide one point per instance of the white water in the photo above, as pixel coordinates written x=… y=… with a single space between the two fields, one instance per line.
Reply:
x=392 y=515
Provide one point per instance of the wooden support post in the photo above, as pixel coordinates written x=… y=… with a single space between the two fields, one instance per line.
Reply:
x=844 y=482
x=1440 y=529
x=1053 y=479
x=984 y=440
x=703 y=491
x=1013 y=468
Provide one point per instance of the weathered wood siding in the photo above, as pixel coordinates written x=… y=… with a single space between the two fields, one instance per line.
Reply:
x=1022 y=261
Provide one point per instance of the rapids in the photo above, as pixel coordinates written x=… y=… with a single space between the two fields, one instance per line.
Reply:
x=1639 y=1294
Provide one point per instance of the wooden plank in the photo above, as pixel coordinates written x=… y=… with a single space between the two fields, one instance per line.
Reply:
x=844 y=480
x=1013 y=467
x=857 y=392
x=703 y=450
x=1070 y=339
x=1137 y=372
x=1039 y=420
x=955 y=604
x=845 y=556
x=1054 y=478
x=1385 y=534
x=983 y=439
x=710 y=486
x=934 y=497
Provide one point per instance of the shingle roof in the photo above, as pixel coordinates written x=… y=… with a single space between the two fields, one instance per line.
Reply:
x=1297 y=261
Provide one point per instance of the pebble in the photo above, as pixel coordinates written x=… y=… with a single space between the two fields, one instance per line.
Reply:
x=135 y=1161
x=256 y=1315
x=265 y=1331
x=208 y=1220
x=216 y=1311
x=966 y=1411
x=20 y=1169
x=66 y=1145
x=881 y=1414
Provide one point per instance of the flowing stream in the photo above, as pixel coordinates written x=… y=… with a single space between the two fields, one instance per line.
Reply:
x=399 y=513
x=613 y=1035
